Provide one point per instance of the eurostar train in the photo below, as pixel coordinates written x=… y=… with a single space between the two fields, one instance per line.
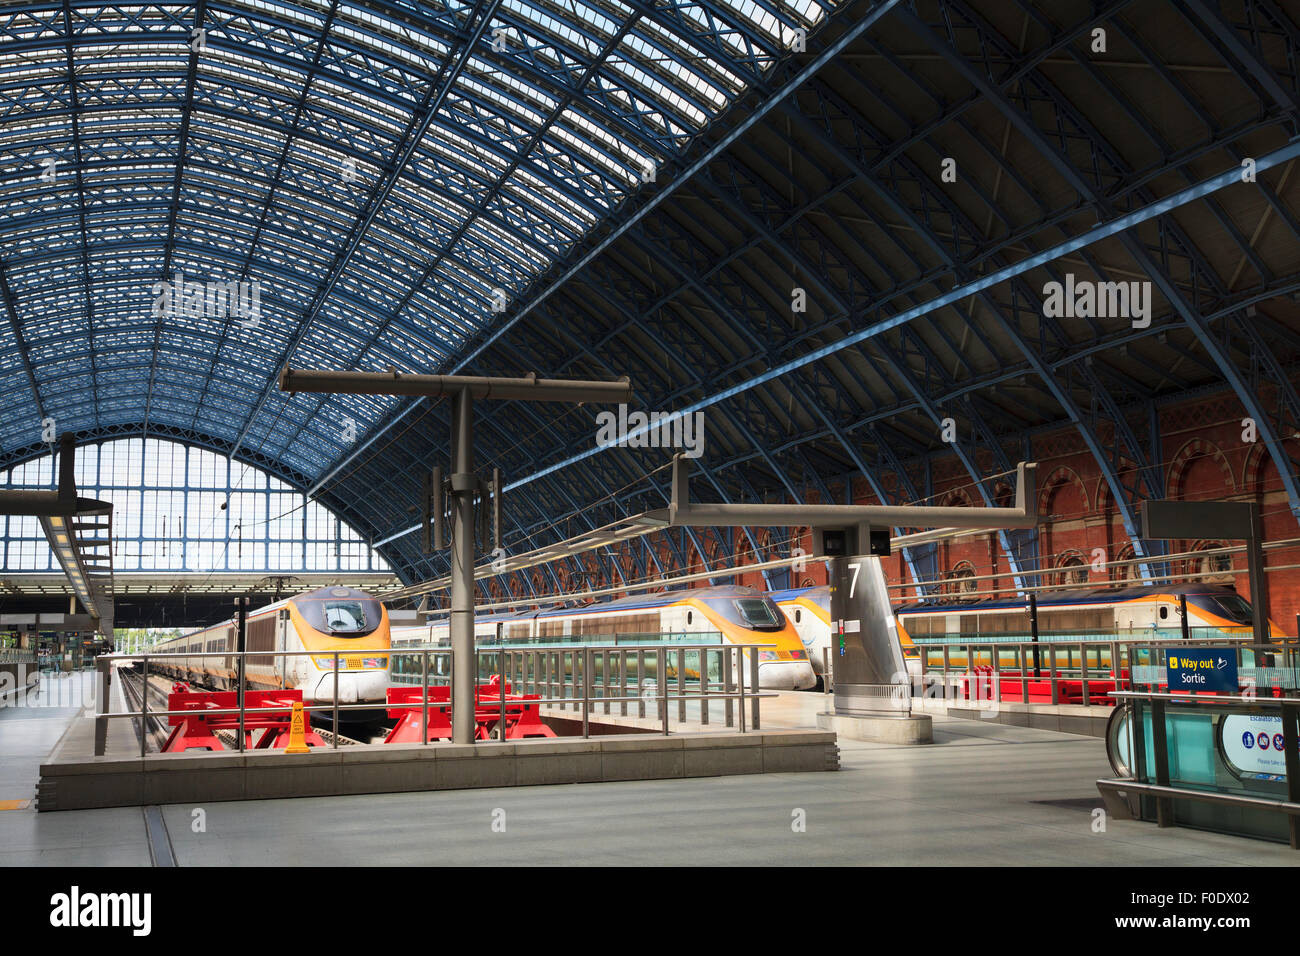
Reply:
x=323 y=621
x=809 y=610
x=1147 y=613
x=740 y=615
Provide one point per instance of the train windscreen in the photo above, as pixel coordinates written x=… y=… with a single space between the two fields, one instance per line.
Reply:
x=756 y=614
x=345 y=617
x=1232 y=606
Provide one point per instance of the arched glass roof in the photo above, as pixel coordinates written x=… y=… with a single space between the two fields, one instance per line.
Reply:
x=187 y=510
x=381 y=178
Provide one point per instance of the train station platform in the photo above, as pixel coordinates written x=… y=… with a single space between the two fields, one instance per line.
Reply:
x=983 y=794
x=32 y=726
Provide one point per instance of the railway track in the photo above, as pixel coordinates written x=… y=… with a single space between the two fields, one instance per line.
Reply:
x=158 y=729
x=230 y=739
x=155 y=728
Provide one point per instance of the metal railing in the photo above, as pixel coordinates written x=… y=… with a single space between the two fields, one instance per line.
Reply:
x=1159 y=769
x=566 y=677
x=1080 y=671
x=1074 y=635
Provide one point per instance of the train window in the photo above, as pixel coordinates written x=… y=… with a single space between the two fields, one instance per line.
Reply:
x=344 y=616
x=798 y=615
x=1232 y=606
x=758 y=613
x=690 y=618
x=351 y=616
x=1164 y=612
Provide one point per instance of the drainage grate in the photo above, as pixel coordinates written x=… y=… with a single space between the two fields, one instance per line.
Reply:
x=1086 y=804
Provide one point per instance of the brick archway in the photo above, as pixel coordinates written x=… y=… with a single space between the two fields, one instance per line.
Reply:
x=957 y=498
x=1193 y=451
x=1063 y=476
x=1124 y=573
x=1259 y=472
x=1071 y=568
x=1124 y=468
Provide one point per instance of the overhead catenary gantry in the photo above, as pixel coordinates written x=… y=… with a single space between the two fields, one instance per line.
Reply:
x=463 y=486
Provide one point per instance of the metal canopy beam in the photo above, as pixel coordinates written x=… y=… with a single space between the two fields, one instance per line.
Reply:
x=527 y=389
x=83 y=548
x=681 y=512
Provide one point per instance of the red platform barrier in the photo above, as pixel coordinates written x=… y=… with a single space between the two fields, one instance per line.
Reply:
x=979 y=686
x=523 y=719
x=407 y=728
x=197 y=730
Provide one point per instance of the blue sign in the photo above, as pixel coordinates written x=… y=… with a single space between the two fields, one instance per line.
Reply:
x=1203 y=668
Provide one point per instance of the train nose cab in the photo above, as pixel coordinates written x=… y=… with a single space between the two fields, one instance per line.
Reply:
x=755 y=619
x=335 y=623
x=808 y=609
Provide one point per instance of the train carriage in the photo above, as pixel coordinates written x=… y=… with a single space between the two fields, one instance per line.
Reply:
x=321 y=622
x=1143 y=613
x=736 y=615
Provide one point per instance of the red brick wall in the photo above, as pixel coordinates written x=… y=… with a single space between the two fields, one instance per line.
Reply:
x=1202 y=457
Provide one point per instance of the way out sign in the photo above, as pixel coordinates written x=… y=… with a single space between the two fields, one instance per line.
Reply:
x=1203 y=668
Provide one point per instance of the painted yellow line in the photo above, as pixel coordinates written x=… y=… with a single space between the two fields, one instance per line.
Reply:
x=14 y=804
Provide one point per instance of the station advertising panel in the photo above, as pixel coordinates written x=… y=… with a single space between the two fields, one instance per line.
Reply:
x=1253 y=746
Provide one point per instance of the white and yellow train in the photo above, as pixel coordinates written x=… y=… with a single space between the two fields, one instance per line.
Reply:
x=738 y=615
x=321 y=622
x=1134 y=613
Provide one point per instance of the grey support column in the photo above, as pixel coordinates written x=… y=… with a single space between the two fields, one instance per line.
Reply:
x=866 y=656
x=462 y=569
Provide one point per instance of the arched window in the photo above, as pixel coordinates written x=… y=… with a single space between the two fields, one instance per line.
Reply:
x=1212 y=565
x=181 y=508
x=962 y=581
x=1073 y=569
x=1122 y=574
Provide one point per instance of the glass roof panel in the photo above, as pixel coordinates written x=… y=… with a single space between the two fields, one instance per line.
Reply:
x=375 y=178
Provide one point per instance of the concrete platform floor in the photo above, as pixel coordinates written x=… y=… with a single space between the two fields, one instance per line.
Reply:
x=982 y=794
x=28 y=732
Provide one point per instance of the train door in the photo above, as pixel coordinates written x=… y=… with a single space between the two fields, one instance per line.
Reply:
x=440 y=664
x=281 y=666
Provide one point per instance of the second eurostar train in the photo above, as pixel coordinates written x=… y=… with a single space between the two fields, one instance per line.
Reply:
x=1137 y=612
x=320 y=622
x=809 y=610
x=740 y=615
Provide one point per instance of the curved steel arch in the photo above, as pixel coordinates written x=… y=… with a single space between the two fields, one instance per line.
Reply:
x=220 y=153
x=353 y=264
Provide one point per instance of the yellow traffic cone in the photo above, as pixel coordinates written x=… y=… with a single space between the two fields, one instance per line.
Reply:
x=297 y=731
